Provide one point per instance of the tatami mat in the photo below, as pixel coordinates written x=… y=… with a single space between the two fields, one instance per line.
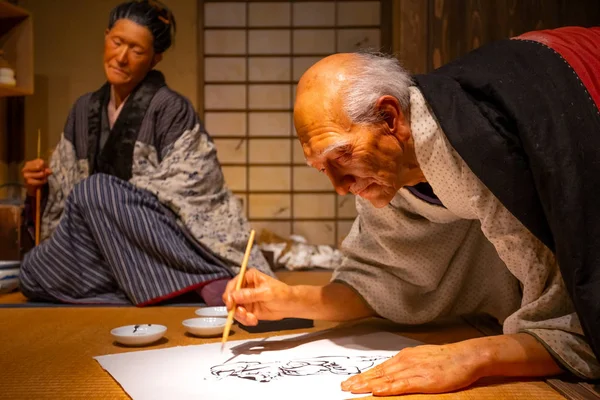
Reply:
x=48 y=353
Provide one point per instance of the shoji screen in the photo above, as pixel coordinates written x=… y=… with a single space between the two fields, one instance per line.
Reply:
x=253 y=55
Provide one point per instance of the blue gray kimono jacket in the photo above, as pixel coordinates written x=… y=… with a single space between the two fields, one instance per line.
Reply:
x=137 y=213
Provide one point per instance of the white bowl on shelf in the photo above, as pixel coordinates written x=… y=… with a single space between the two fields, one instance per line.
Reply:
x=7 y=77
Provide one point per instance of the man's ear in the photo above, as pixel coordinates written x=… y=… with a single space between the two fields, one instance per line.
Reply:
x=388 y=107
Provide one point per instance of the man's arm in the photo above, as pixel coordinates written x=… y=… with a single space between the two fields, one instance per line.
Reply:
x=265 y=298
x=518 y=354
x=421 y=369
x=332 y=302
x=438 y=369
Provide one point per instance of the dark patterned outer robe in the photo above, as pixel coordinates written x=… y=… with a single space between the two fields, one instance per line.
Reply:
x=158 y=145
x=524 y=114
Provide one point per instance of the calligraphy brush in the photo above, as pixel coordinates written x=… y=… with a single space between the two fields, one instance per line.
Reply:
x=238 y=286
x=38 y=195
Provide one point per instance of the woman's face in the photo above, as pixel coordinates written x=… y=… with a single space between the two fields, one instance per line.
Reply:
x=128 y=54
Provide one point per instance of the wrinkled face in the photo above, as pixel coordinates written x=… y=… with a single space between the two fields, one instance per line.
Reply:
x=128 y=53
x=361 y=159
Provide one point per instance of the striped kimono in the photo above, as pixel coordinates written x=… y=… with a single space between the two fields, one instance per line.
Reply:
x=138 y=213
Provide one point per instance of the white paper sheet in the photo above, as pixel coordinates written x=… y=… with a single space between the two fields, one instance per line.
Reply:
x=290 y=367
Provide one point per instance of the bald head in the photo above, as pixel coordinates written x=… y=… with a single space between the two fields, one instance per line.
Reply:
x=327 y=76
x=317 y=95
x=324 y=80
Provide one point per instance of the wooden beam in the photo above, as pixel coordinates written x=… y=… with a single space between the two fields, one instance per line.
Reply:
x=410 y=34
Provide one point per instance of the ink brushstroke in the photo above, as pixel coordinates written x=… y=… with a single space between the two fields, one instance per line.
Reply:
x=269 y=371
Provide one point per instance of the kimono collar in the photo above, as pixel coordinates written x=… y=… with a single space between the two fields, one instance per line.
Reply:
x=116 y=156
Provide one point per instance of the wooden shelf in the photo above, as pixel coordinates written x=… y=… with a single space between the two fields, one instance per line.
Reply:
x=7 y=91
x=16 y=40
x=8 y=10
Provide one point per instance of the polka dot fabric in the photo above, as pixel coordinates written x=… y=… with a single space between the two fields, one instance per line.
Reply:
x=414 y=262
x=546 y=309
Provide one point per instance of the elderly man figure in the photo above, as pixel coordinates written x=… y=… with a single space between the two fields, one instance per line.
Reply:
x=476 y=193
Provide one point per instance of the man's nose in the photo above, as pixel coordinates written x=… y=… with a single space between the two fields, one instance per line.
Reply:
x=341 y=183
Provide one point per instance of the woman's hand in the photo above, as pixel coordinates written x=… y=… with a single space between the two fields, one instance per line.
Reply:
x=36 y=174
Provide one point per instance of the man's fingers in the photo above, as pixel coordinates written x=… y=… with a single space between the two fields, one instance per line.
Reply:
x=252 y=278
x=391 y=385
x=244 y=317
x=389 y=367
x=408 y=380
x=229 y=289
x=376 y=372
x=394 y=379
x=226 y=297
x=248 y=293
x=248 y=296
x=240 y=314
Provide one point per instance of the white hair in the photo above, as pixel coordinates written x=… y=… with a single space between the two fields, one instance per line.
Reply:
x=374 y=75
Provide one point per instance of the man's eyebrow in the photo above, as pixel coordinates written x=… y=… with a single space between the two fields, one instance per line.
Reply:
x=342 y=144
x=337 y=146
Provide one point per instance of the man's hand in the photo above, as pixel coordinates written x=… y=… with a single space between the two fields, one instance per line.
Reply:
x=261 y=298
x=437 y=369
x=265 y=298
x=36 y=174
x=421 y=369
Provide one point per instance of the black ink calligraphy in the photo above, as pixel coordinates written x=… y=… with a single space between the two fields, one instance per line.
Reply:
x=266 y=372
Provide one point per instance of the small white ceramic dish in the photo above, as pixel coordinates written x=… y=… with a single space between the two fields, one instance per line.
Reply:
x=138 y=335
x=9 y=273
x=9 y=279
x=205 y=326
x=220 y=312
x=8 y=285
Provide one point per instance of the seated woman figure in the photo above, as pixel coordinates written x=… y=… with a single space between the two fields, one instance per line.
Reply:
x=135 y=208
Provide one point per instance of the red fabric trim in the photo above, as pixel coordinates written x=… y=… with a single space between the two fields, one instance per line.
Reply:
x=149 y=302
x=175 y=294
x=579 y=47
x=87 y=303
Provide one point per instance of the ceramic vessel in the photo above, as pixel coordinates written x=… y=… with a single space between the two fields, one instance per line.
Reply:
x=7 y=74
